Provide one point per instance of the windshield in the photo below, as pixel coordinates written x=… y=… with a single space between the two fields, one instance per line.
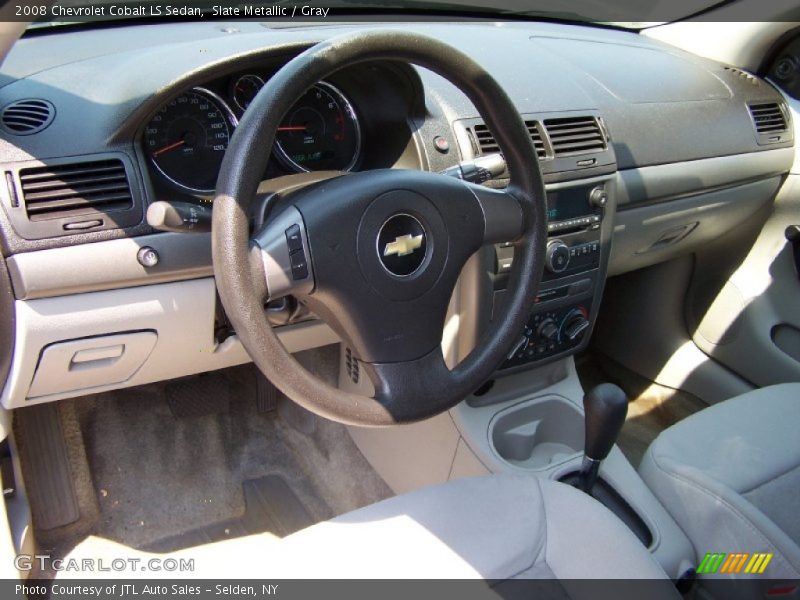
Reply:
x=628 y=14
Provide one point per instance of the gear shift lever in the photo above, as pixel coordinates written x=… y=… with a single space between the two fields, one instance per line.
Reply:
x=605 y=407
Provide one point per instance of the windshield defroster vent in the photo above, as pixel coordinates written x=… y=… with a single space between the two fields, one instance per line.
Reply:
x=575 y=135
x=66 y=190
x=741 y=74
x=26 y=117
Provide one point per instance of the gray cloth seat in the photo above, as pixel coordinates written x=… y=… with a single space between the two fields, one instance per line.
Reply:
x=494 y=527
x=730 y=476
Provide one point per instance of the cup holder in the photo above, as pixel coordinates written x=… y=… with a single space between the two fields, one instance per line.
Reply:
x=538 y=434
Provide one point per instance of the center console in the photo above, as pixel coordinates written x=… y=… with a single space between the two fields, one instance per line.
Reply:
x=568 y=298
x=530 y=419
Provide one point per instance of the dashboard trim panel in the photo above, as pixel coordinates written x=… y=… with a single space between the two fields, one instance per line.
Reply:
x=112 y=264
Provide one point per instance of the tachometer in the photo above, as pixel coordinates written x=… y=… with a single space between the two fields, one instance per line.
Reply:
x=186 y=140
x=320 y=132
x=244 y=89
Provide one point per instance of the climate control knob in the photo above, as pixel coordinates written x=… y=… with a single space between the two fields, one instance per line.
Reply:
x=575 y=326
x=548 y=331
x=557 y=256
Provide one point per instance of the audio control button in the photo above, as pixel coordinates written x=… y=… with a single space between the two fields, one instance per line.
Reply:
x=598 y=197
x=557 y=257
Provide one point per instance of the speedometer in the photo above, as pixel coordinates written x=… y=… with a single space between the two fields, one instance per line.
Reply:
x=186 y=140
x=320 y=132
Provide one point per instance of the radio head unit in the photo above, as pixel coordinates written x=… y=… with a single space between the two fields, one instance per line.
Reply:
x=577 y=207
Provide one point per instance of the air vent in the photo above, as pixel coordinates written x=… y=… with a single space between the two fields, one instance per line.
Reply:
x=488 y=145
x=748 y=77
x=486 y=142
x=575 y=135
x=26 y=117
x=351 y=363
x=67 y=190
x=536 y=136
x=768 y=117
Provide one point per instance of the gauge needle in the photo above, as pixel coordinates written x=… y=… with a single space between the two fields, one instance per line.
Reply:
x=292 y=128
x=169 y=147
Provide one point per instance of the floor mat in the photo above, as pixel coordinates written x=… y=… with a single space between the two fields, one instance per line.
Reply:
x=270 y=506
x=651 y=408
x=174 y=464
x=198 y=396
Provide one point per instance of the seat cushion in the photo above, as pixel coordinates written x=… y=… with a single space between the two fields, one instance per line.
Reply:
x=730 y=476
x=494 y=527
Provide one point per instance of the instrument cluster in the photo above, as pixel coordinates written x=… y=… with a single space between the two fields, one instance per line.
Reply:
x=186 y=139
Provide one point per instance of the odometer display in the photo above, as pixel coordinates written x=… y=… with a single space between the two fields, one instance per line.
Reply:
x=187 y=139
x=320 y=132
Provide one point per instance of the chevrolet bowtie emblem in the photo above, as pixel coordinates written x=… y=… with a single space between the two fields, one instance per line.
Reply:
x=403 y=245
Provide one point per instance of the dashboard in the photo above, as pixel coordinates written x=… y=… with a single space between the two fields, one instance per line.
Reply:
x=647 y=152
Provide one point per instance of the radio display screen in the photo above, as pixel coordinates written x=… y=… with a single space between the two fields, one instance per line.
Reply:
x=568 y=203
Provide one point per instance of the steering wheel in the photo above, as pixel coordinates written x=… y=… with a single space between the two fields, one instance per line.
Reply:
x=376 y=254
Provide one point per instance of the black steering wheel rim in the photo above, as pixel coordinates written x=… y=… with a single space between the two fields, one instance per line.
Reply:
x=407 y=390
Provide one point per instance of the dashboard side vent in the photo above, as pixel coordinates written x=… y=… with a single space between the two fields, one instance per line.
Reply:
x=65 y=190
x=352 y=366
x=768 y=117
x=741 y=74
x=488 y=145
x=26 y=117
x=575 y=135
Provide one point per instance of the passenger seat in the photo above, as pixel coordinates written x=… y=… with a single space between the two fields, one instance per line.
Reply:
x=730 y=476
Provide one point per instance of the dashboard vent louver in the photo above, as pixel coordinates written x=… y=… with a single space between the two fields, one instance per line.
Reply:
x=352 y=366
x=768 y=117
x=485 y=139
x=575 y=135
x=488 y=145
x=749 y=77
x=52 y=192
x=536 y=136
x=26 y=117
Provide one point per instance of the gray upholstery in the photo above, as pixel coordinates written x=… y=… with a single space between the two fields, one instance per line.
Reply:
x=496 y=527
x=730 y=476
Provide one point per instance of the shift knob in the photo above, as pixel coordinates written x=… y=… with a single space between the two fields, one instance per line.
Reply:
x=605 y=407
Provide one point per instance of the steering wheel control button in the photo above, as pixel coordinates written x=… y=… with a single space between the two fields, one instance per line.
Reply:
x=287 y=271
x=147 y=257
x=402 y=245
x=293 y=239
x=299 y=264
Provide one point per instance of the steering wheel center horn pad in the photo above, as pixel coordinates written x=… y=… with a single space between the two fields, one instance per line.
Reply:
x=402 y=244
x=362 y=226
x=377 y=254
